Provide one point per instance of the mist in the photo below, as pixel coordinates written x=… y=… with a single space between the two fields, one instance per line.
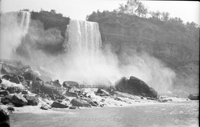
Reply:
x=14 y=27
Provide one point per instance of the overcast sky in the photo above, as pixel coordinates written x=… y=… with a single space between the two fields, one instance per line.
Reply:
x=79 y=9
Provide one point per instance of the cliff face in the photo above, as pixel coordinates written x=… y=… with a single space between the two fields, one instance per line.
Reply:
x=176 y=46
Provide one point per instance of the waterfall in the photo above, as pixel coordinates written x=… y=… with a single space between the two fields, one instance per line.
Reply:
x=84 y=40
x=14 y=26
x=85 y=59
x=24 y=23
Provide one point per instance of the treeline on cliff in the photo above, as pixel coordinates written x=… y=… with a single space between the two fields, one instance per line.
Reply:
x=133 y=28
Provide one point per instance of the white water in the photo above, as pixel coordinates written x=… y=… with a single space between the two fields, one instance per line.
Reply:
x=14 y=26
x=86 y=62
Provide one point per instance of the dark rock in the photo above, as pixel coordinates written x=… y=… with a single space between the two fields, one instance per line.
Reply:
x=29 y=75
x=102 y=105
x=162 y=100
x=80 y=103
x=118 y=99
x=193 y=97
x=45 y=107
x=24 y=92
x=6 y=100
x=4 y=118
x=4 y=92
x=93 y=103
x=102 y=92
x=45 y=78
x=32 y=100
x=45 y=89
x=72 y=107
x=56 y=83
x=0 y=81
x=18 y=100
x=7 y=77
x=12 y=78
x=11 y=109
x=135 y=86
x=14 y=90
x=58 y=105
x=59 y=96
x=69 y=84
x=102 y=100
x=71 y=94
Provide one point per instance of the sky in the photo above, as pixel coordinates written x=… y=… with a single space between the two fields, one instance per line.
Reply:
x=188 y=11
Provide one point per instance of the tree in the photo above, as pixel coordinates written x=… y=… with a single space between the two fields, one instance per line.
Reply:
x=155 y=14
x=165 y=16
x=132 y=6
x=53 y=11
x=141 y=10
x=158 y=13
x=122 y=8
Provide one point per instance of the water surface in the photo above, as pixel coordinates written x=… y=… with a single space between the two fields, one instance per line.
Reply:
x=173 y=114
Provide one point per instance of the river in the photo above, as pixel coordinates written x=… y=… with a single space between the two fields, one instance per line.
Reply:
x=170 y=114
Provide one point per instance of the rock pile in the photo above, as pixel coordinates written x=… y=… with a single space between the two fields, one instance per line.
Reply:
x=21 y=86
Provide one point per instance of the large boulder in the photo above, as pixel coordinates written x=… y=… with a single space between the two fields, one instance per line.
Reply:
x=93 y=103
x=69 y=84
x=31 y=75
x=18 y=100
x=80 y=103
x=193 y=97
x=32 y=100
x=58 y=105
x=4 y=92
x=56 y=83
x=102 y=92
x=4 y=118
x=6 y=99
x=11 y=78
x=135 y=86
x=45 y=107
x=71 y=94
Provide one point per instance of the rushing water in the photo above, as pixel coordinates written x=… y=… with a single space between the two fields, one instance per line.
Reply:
x=14 y=26
x=174 y=114
x=85 y=60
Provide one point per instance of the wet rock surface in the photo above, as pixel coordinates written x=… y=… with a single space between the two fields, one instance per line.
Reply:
x=80 y=103
x=193 y=97
x=18 y=100
x=135 y=86
x=32 y=100
x=4 y=118
x=58 y=105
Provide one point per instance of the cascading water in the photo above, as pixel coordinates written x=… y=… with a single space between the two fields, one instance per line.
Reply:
x=14 y=26
x=85 y=60
x=24 y=22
